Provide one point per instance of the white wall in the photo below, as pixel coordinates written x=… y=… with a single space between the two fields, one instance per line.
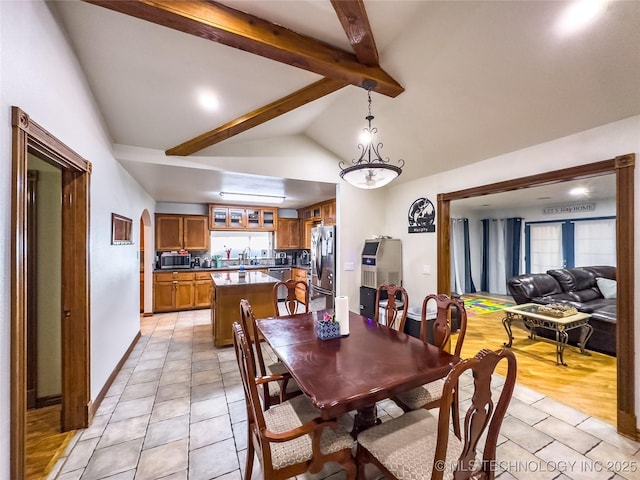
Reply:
x=593 y=145
x=39 y=73
x=360 y=215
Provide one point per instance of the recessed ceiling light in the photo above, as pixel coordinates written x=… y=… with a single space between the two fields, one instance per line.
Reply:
x=580 y=14
x=578 y=191
x=208 y=101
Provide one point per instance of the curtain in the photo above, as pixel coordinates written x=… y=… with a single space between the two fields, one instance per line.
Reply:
x=461 y=281
x=501 y=258
x=595 y=242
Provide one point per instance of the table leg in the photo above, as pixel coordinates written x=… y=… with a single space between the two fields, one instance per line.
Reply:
x=365 y=418
x=562 y=338
x=506 y=323
x=585 y=334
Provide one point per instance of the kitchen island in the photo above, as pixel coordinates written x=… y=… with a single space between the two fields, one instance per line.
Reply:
x=231 y=287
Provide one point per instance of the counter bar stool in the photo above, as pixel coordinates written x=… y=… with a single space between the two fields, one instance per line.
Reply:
x=428 y=396
x=272 y=392
x=292 y=303
x=394 y=317
x=417 y=445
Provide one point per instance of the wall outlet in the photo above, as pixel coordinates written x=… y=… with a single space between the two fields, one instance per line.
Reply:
x=426 y=269
x=349 y=266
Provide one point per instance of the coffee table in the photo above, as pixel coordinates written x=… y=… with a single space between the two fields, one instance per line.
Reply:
x=528 y=313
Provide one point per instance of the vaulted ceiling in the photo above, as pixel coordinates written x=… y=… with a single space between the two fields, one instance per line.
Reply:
x=480 y=79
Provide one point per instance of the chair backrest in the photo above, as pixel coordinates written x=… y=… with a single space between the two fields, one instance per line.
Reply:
x=446 y=307
x=255 y=417
x=395 y=318
x=248 y=321
x=482 y=413
x=292 y=304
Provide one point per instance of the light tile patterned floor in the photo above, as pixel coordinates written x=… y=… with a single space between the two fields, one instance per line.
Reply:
x=176 y=411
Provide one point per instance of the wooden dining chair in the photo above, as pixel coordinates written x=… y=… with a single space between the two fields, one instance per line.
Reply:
x=292 y=303
x=428 y=396
x=394 y=316
x=271 y=392
x=290 y=438
x=418 y=445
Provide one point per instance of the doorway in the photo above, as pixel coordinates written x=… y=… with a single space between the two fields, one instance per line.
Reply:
x=623 y=167
x=28 y=138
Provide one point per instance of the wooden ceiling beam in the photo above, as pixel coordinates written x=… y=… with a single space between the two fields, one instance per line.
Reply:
x=259 y=116
x=355 y=22
x=219 y=23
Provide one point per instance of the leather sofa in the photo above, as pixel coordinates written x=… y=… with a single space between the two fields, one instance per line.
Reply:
x=578 y=288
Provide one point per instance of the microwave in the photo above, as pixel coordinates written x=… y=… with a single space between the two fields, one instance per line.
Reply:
x=175 y=260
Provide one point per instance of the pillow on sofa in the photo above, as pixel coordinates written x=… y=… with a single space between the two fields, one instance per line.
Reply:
x=607 y=287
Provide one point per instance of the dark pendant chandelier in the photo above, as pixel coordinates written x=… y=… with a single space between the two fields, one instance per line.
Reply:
x=370 y=170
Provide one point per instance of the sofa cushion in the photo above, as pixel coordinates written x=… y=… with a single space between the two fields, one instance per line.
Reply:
x=572 y=279
x=525 y=287
x=605 y=271
x=608 y=287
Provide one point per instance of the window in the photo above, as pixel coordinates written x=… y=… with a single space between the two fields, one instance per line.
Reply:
x=237 y=242
x=570 y=243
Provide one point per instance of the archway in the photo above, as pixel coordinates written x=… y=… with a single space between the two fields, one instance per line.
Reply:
x=146 y=263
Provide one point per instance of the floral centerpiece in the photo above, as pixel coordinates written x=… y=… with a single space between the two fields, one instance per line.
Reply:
x=327 y=327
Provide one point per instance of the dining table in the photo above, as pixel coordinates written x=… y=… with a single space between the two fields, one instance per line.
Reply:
x=352 y=372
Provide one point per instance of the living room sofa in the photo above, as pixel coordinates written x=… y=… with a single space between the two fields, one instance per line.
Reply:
x=578 y=287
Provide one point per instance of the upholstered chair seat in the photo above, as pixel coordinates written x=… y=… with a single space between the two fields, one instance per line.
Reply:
x=292 y=414
x=406 y=445
x=423 y=395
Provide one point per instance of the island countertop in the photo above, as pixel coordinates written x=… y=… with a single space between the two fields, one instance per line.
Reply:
x=233 y=279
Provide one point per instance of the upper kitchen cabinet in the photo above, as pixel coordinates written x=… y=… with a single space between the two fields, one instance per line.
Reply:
x=329 y=213
x=313 y=215
x=288 y=233
x=176 y=232
x=224 y=217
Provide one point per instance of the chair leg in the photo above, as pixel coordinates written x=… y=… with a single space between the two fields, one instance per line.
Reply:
x=360 y=464
x=351 y=470
x=248 y=470
x=455 y=413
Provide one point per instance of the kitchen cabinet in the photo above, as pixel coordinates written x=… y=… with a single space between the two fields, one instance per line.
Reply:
x=300 y=275
x=314 y=215
x=288 y=233
x=173 y=291
x=176 y=232
x=203 y=288
x=329 y=213
x=223 y=217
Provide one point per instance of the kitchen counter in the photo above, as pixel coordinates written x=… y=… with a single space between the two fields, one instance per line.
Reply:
x=228 y=289
x=234 y=279
x=229 y=268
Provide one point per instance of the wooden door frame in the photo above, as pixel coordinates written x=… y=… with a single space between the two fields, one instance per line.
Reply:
x=29 y=137
x=623 y=167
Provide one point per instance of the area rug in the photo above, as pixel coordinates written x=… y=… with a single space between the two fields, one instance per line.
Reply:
x=481 y=305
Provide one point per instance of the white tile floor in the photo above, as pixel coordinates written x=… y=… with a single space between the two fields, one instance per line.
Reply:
x=176 y=411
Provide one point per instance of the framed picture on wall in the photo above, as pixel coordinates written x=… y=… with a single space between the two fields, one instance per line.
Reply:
x=121 y=230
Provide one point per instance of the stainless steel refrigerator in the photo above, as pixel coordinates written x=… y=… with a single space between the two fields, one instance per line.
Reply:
x=323 y=264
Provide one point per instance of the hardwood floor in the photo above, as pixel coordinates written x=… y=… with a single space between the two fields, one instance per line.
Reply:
x=588 y=383
x=44 y=443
